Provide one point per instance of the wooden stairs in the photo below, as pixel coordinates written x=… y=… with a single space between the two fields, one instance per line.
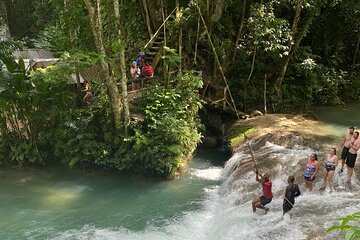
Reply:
x=154 y=50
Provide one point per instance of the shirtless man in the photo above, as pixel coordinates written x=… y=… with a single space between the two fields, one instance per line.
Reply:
x=351 y=158
x=345 y=147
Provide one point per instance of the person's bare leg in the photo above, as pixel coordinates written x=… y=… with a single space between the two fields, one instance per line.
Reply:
x=266 y=210
x=258 y=205
x=325 y=179
x=349 y=173
x=254 y=203
x=310 y=186
x=330 y=179
x=342 y=165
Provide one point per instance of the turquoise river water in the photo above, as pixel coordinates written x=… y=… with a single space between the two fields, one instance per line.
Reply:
x=53 y=202
x=58 y=203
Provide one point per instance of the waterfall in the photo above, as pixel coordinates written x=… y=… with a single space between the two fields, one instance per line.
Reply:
x=226 y=212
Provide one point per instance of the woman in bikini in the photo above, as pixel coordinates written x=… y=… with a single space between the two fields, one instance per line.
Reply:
x=311 y=169
x=331 y=162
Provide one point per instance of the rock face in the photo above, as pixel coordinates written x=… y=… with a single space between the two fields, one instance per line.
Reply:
x=210 y=142
x=281 y=145
x=214 y=128
x=256 y=113
x=278 y=128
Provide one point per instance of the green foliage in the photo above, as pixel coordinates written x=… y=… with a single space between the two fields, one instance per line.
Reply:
x=311 y=83
x=169 y=133
x=352 y=231
x=267 y=32
x=171 y=57
x=28 y=103
x=77 y=142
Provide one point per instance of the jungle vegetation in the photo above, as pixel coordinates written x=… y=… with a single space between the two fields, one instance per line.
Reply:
x=272 y=55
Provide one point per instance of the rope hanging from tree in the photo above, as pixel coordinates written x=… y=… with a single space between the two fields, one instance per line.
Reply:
x=217 y=60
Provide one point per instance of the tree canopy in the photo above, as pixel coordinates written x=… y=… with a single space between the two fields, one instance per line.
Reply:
x=276 y=55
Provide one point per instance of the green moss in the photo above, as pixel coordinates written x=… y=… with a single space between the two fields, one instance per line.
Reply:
x=235 y=134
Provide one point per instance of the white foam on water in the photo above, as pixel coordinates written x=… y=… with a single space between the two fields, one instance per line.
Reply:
x=213 y=173
x=226 y=210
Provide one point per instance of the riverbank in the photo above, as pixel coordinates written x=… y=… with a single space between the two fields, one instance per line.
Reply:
x=281 y=126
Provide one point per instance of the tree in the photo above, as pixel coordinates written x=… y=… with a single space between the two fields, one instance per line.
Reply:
x=96 y=26
x=122 y=62
x=298 y=34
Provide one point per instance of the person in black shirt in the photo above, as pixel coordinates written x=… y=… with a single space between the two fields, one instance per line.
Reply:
x=292 y=191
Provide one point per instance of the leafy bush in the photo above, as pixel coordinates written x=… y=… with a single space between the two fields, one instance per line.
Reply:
x=168 y=134
x=352 y=232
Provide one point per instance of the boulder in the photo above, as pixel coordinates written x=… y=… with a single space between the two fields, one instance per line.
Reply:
x=256 y=113
x=210 y=142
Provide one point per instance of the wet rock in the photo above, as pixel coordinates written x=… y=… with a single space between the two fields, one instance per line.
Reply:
x=244 y=117
x=213 y=122
x=256 y=113
x=210 y=142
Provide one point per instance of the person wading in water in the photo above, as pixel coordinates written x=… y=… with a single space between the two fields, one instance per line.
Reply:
x=292 y=191
x=311 y=169
x=351 y=157
x=331 y=162
x=345 y=146
x=267 y=194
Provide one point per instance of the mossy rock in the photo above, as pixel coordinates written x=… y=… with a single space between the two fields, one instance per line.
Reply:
x=235 y=134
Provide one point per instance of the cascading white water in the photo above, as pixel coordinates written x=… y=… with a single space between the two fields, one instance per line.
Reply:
x=226 y=208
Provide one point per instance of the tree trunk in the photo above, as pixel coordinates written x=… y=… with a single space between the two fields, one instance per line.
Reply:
x=147 y=18
x=197 y=41
x=240 y=30
x=180 y=34
x=124 y=95
x=165 y=65
x=286 y=59
x=154 y=10
x=252 y=67
x=6 y=24
x=219 y=7
x=113 y=91
x=249 y=77
x=356 y=52
x=265 y=100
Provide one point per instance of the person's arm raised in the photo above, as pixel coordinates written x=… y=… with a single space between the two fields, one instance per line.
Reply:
x=257 y=176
